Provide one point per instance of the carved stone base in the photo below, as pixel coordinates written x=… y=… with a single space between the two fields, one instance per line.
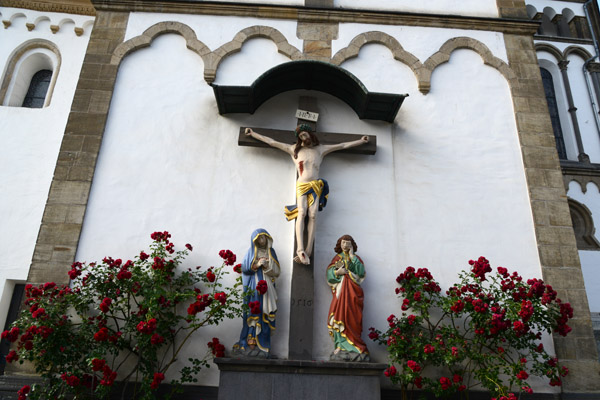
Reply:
x=298 y=380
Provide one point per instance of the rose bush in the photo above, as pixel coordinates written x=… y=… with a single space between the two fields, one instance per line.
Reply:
x=484 y=331
x=125 y=321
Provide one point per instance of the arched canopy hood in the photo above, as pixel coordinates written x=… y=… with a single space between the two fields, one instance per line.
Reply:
x=309 y=75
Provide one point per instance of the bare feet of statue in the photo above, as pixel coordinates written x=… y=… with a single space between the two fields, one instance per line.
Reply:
x=302 y=258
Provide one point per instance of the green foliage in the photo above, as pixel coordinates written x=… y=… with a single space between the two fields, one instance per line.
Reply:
x=484 y=331
x=125 y=321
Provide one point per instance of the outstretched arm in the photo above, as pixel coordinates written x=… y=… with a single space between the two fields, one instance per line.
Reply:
x=328 y=148
x=271 y=142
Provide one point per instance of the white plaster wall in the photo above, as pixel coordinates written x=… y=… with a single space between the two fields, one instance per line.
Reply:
x=590 y=260
x=30 y=141
x=170 y=162
x=480 y=8
x=446 y=184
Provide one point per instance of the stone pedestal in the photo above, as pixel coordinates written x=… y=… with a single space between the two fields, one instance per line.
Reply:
x=298 y=380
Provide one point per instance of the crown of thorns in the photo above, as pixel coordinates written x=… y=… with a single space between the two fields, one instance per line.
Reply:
x=303 y=128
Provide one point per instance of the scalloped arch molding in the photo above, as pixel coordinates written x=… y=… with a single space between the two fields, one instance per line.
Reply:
x=212 y=59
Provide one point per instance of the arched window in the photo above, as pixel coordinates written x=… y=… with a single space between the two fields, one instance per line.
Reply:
x=36 y=94
x=583 y=225
x=31 y=74
x=553 y=109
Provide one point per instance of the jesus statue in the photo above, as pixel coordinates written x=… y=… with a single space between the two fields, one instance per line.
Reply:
x=311 y=192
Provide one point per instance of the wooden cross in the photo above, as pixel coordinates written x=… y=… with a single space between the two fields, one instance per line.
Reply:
x=302 y=291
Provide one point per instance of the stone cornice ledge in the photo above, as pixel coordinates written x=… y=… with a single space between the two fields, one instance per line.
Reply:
x=81 y=9
x=307 y=14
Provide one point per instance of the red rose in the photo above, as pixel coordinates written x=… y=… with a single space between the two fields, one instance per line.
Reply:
x=159 y=263
x=71 y=380
x=228 y=257
x=74 y=273
x=238 y=268
x=23 y=392
x=261 y=286
x=124 y=274
x=189 y=247
x=105 y=305
x=429 y=349
x=158 y=378
x=98 y=364
x=147 y=327
x=216 y=347
x=11 y=335
x=101 y=335
x=522 y=375
x=108 y=376
x=457 y=378
x=445 y=382
x=555 y=382
x=157 y=339
x=254 y=307
x=12 y=356
x=221 y=297
x=40 y=312
x=418 y=382
x=210 y=275
x=390 y=371
x=415 y=367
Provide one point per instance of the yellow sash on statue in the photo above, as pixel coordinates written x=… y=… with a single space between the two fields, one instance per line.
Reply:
x=312 y=190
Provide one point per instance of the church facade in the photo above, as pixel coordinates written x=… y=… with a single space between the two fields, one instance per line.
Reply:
x=122 y=117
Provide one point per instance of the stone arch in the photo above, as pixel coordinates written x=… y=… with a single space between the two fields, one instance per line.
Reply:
x=64 y=22
x=161 y=28
x=443 y=55
x=10 y=74
x=548 y=48
x=582 y=181
x=235 y=45
x=577 y=50
x=583 y=226
x=8 y=22
x=394 y=46
x=85 y=27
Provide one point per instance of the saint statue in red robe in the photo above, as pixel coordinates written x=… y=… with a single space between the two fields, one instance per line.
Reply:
x=345 y=274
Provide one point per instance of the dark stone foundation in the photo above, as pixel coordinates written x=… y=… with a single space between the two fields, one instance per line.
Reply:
x=298 y=380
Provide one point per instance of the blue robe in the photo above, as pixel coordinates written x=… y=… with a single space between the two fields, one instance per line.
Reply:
x=259 y=326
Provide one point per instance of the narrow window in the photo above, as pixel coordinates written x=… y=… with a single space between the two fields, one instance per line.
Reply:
x=36 y=94
x=583 y=225
x=553 y=109
x=13 y=313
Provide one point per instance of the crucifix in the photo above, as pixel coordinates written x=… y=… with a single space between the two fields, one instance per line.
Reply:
x=311 y=195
